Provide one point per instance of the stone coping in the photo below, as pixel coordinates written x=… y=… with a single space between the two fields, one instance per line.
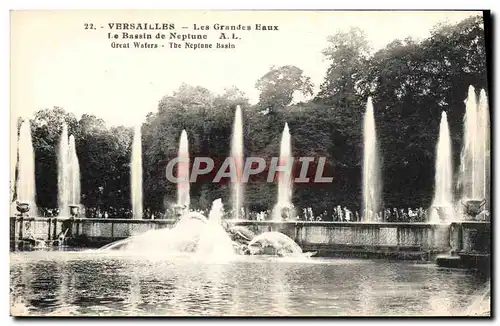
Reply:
x=253 y=222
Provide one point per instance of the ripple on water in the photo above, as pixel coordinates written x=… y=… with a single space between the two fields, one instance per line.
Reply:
x=76 y=283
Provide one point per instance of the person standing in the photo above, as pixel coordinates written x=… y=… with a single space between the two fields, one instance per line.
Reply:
x=395 y=215
x=348 y=214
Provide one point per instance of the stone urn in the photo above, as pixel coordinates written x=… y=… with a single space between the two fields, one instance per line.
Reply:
x=473 y=207
x=22 y=207
x=74 y=210
x=285 y=213
x=179 y=210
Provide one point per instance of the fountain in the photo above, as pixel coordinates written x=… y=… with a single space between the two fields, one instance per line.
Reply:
x=25 y=187
x=183 y=196
x=211 y=238
x=136 y=174
x=475 y=156
x=371 y=167
x=470 y=238
x=182 y=237
x=63 y=173
x=484 y=145
x=74 y=174
x=214 y=242
x=193 y=233
x=26 y=171
x=237 y=156
x=68 y=173
x=13 y=162
x=284 y=207
x=442 y=203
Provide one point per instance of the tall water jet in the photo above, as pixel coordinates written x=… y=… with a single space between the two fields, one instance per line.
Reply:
x=443 y=197
x=63 y=173
x=475 y=156
x=371 y=167
x=484 y=143
x=183 y=196
x=284 y=202
x=26 y=192
x=73 y=173
x=68 y=176
x=237 y=155
x=136 y=174
x=13 y=156
x=214 y=242
x=468 y=166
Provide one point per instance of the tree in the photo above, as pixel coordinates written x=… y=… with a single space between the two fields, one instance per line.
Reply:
x=104 y=157
x=348 y=53
x=46 y=131
x=278 y=86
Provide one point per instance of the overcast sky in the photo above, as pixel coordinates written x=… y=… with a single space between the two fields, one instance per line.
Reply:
x=56 y=62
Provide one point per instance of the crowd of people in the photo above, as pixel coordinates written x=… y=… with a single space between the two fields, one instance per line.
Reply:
x=344 y=214
x=90 y=212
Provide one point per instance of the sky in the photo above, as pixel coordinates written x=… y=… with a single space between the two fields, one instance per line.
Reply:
x=55 y=61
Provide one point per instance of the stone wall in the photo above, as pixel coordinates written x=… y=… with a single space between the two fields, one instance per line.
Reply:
x=327 y=238
x=471 y=237
x=350 y=237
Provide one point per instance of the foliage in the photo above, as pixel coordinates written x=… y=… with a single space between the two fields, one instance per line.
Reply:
x=278 y=86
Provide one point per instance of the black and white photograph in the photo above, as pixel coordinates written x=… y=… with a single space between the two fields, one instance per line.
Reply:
x=250 y=163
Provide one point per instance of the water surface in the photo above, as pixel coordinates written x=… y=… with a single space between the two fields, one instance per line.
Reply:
x=87 y=283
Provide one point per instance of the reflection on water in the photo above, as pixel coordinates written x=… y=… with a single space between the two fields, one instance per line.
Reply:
x=75 y=283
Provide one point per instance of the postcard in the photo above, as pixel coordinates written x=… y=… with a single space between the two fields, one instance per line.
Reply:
x=250 y=163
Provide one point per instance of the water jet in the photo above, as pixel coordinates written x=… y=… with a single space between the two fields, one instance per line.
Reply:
x=443 y=196
x=371 y=166
x=284 y=207
x=136 y=175
x=237 y=190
